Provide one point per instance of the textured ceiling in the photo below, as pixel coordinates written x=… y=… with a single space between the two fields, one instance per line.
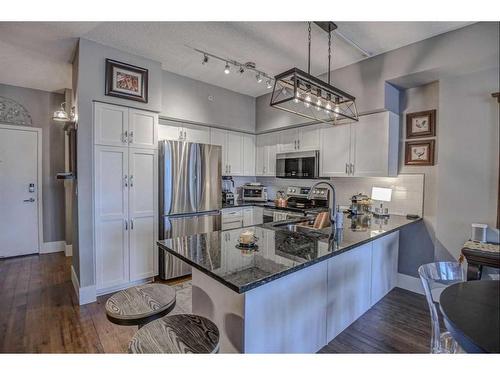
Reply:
x=38 y=54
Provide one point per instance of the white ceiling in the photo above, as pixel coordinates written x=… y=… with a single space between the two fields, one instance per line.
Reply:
x=38 y=54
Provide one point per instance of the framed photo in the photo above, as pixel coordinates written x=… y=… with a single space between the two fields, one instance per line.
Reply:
x=421 y=124
x=419 y=152
x=126 y=81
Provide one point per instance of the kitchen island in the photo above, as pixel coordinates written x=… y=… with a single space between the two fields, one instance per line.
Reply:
x=299 y=288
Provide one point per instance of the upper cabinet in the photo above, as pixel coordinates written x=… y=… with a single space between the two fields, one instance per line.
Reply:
x=265 y=149
x=121 y=126
x=368 y=147
x=238 y=152
x=180 y=131
x=305 y=138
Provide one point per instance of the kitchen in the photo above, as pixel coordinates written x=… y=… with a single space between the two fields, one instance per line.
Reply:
x=281 y=210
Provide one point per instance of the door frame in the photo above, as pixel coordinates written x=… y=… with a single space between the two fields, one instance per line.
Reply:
x=39 y=202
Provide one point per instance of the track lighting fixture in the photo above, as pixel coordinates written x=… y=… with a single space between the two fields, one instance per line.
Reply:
x=227 y=68
x=258 y=77
x=269 y=84
x=241 y=70
x=205 y=59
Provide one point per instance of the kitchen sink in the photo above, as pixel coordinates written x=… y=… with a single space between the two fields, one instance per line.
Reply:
x=297 y=227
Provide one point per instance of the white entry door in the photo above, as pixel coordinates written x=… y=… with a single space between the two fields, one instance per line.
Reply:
x=19 y=190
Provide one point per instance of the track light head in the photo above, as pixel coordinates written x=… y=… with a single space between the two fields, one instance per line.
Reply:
x=269 y=83
x=227 y=68
x=241 y=70
x=258 y=77
x=205 y=59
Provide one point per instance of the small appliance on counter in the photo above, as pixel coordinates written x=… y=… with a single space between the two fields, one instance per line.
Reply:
x=360 y=204
x=281 y=200
x=254 y=192
x=227 y=193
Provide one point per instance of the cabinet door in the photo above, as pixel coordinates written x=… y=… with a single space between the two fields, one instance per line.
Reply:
x=260 y=155
x=170 y=130
x=111 y=220
x=235 y=153
x=308 y=139
x=258 y=215
x=384 y=266
x=370 y=145
x=196 y=133
x=270 y=154
x=110 y=125
x=288 y=140
x=334 y=151
x=219 y=138
x=142 y=212
x=248 y=154
x=248 y=217
x=349 y=278
x=143 y=129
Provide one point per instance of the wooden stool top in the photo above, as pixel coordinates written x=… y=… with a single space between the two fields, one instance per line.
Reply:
x=140 y=304
x=177 y=334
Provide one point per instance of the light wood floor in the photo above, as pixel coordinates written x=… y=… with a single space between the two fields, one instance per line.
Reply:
x=39 y=313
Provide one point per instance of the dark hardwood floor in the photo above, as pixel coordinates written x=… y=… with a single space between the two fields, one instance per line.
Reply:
x=39 y=313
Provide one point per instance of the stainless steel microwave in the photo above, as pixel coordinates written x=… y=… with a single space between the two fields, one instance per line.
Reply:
x=303 y=164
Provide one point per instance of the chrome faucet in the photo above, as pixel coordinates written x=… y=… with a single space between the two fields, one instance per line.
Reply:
x=331 y=199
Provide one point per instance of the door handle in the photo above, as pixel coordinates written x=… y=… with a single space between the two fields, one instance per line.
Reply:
x=31 y=200
x=131 y=180
x=131 y=224
x=124 y=137
x=131 y=137
x=298 y=144
x=126 y=225
x=346 y=168
x=352 y=169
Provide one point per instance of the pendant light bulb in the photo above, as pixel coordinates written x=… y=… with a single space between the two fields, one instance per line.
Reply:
x=336 y=111
x=318 y=104
x=297 y=96
x=258 y=77
x=227 y=68
x=328 y=107
x=307 y=102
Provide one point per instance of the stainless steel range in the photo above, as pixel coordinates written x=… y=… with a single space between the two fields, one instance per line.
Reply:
x=298 y=197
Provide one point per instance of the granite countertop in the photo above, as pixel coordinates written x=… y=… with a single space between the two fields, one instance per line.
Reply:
x=280 y=251
x=271 y=205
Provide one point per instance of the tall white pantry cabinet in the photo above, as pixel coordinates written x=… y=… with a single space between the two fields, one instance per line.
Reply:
x=125 y=196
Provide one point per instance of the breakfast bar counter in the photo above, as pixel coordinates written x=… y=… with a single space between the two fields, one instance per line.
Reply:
x=297 y=289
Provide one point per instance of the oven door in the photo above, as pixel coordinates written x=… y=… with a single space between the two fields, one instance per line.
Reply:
x=250 y=193
x=297 y=165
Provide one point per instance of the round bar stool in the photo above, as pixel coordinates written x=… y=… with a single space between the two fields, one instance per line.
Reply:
x=176 y=334
x=140 y=305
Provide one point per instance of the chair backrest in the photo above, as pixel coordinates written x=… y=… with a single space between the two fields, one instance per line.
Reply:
x=435 y=278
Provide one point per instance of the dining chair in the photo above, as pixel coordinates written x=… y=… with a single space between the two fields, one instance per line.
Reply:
x=435 y=278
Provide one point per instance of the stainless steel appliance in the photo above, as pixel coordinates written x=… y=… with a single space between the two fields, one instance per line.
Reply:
x=304 y=197
x=189 y=196
x=227 y=190
x=303 y=164
x=254 y=192
x=271 y=215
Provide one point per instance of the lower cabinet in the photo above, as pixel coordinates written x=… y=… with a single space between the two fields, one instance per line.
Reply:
x=238 y=217
x=125 y=190
x=359 y=278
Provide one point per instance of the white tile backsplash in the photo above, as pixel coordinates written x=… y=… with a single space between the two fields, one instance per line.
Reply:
x=407 y=190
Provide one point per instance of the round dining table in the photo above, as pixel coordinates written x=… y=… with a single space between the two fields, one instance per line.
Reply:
x=471 y=312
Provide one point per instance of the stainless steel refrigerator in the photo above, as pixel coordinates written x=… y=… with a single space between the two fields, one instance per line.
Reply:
x=190 y=196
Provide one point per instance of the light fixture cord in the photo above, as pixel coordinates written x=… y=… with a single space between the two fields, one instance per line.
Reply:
x=309 y=50
x=329 y=52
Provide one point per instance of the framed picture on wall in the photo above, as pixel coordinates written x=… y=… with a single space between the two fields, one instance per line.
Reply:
x=421 y=124
x=126 y=81
x=419 y=152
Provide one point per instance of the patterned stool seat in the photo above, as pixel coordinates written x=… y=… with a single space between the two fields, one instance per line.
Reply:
x=177 y=334
x=140 y=305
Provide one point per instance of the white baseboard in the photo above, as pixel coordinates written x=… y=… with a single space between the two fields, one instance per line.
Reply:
x=53 y=247
x=410 y=283
x=86 y=294
x=68 y=250
x=113 y=289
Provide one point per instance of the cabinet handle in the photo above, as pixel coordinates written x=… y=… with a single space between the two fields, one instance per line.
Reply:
x=126 y=225
x=264 y=169
x=131 y=224
x=298 y=144
x=185 y=135
x=131 y=180
x=352 y=169
x=124 y=137
x=229 y=168
x=346 y=168
x=131 y=137
x=125 y=181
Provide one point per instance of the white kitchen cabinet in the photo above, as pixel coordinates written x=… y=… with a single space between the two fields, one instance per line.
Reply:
x=248 y=216
x=231 y=218
x=348 y=297
x=121 y=126
x=234 y=156
x=180 y=131
x=258 y=215
x=248 y=154
x=335 y=150
x=125 y=205
x=368 y=147
x=110 y=125
x=305 y=138
x=266 y=147
x=142 y=213
x=111 y=216
x=218 y=137
x=384 y=266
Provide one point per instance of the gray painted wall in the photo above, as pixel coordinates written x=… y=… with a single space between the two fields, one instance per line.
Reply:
x=472 y=48
x=91 y=76
x=187 y=99
x=41 y=105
